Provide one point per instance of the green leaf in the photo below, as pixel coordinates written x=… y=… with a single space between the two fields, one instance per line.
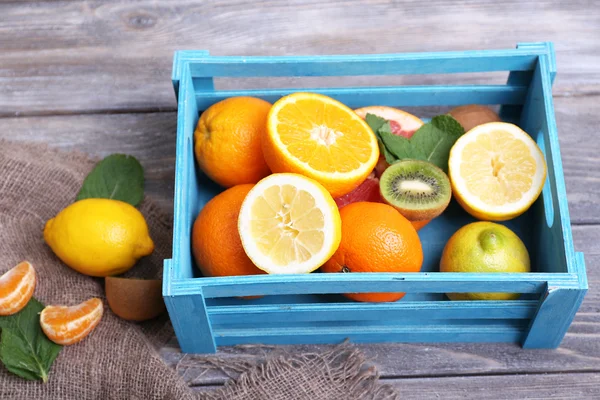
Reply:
x=431 y=142
x=24 y=349
x=378 y=125
x=384 y=131
x=448 y=124
x=118 y=177
x=398 y=146
x=375 y=122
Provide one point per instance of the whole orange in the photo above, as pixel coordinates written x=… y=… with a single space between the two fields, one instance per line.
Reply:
x=375 y=238
x=227 y=141
x=216 y=243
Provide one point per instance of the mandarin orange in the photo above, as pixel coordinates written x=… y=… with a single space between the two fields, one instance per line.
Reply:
x=216 y=243
x=16 y=288
x=68 y=325
x=375 y=238
x=227 y=141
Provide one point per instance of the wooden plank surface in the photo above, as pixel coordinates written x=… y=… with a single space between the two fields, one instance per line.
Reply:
x=149 y=137
x=572 y=386
x=74 y=56
x=501 y=387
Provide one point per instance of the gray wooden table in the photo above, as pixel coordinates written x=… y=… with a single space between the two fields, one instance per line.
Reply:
x=95 y=76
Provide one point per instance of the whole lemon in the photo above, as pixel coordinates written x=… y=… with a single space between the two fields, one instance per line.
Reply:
x=484 y=247
x=99 y=237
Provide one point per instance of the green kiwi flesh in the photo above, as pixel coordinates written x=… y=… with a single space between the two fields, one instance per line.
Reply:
x=418 y=189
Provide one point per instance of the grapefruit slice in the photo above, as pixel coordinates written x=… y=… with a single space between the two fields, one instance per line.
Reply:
x=401 y=122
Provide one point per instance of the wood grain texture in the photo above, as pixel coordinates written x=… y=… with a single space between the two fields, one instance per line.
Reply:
x=148 y=137
x=503 y=387
x=151 y=138
x=73 y=57
x=572 y=386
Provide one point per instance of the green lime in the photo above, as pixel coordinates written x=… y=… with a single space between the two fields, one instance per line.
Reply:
x=484 y=247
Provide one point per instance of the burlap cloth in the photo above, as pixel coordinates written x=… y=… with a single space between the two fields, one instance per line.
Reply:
x=119 y=360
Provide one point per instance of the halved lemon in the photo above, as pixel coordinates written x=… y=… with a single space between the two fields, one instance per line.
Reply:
x=497 y=171
x=289 y=224
x=319 y=137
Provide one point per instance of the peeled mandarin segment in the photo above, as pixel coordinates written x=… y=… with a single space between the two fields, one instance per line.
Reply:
x=16 y=288
x=68 y=325
x=289 y=224
x=497 y=171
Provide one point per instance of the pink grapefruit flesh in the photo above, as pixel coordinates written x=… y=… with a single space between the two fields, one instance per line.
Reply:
x=366 y=191
x=401 y=122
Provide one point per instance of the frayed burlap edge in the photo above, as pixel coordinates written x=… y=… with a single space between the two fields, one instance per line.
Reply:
x=337 y=374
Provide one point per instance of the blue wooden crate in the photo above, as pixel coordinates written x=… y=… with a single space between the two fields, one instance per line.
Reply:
x=207 y=312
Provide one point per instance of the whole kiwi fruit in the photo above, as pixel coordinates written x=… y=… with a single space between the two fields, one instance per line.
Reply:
x=472 y=115
x=418 y=189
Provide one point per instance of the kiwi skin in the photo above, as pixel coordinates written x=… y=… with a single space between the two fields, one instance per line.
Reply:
x=134 y=299
x=416 y=209
x=473 y=115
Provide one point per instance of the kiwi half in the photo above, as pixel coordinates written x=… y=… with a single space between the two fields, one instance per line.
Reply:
x=417 y=189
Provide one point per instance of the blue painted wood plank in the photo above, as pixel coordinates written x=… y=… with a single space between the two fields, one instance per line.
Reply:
x=186 y=190
x=553 y=318
x=391 y=96
x=408 y=334
x=404 y=311
x=189 y=317
x=372 y=282
x=365 y=64
x=190 y=322
x=179 y=60
x=559 y=195
x=556 y=311
x=510 y=112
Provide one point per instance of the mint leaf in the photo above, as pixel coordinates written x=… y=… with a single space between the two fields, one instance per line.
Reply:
x=378 y=125
x=24 y=349
x=375 y=122
x=398 y=146
x=385 y=130
x=448 y=124
x=118 y=177
x=431 y=142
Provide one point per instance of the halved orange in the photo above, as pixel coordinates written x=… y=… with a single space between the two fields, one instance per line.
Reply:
x=67 y=325
x=319 y=137
x=16 y=288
